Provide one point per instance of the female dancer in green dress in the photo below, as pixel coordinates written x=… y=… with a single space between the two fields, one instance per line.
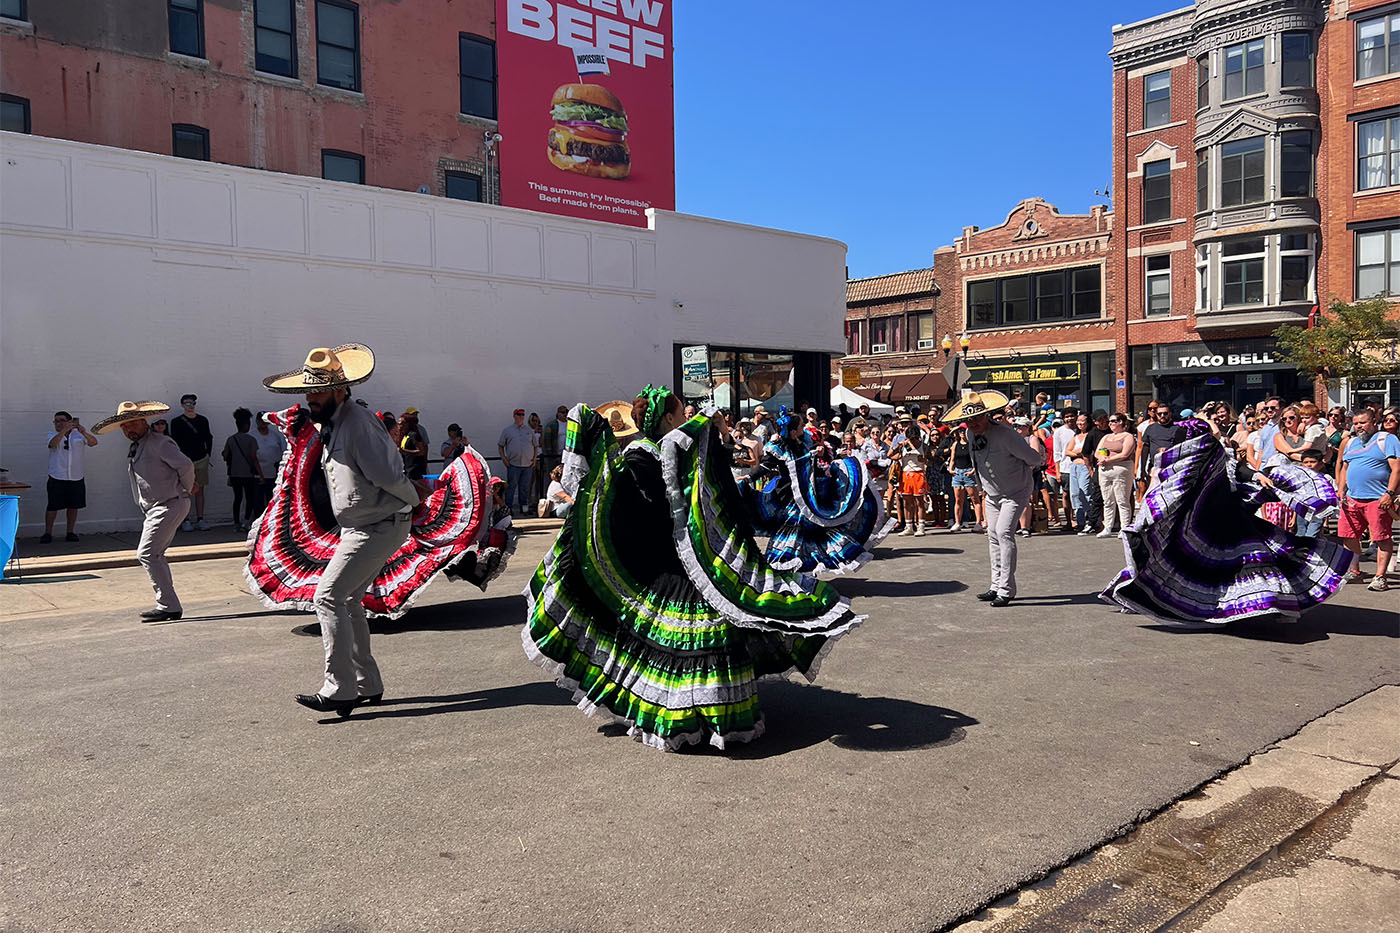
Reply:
x=655 y=604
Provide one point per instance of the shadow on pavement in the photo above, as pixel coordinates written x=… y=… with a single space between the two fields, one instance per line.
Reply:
x=1315 y=625
x=800 y=716
x=858 y=587
x=461 y=616
x=230 y=615
x=1069 y=599
x=534 y=693
x=40 y=579
x=886 y=552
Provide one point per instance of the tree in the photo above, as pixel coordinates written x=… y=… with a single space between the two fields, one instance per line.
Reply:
x=1348 y=341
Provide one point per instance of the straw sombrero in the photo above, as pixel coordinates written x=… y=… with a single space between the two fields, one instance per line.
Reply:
x=976 y=403
x=130 y=411
x=325 y=368
x=618 y=414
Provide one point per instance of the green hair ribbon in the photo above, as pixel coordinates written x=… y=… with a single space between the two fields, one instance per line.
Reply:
x=656 y=408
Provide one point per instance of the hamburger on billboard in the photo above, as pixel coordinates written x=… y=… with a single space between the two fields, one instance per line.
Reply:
x=586 y=107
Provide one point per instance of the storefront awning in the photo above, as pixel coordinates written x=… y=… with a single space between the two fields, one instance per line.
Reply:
x=902 y=388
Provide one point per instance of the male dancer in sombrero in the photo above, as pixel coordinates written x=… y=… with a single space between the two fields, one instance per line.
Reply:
x=1005 y=467
x=373 y=502
x=162 y=481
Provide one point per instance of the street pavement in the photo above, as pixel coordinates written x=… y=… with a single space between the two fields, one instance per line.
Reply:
x=160 y=777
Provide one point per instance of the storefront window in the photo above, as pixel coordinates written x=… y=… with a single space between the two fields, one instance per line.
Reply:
x=742 y=379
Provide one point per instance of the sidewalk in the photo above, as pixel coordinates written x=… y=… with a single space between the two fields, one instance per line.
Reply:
x=103 y=550
x=1304 y=836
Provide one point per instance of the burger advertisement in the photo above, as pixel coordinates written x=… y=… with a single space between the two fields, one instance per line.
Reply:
x=586 y=107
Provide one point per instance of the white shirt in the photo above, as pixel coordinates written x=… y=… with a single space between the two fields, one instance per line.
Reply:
x=556 y=491
x=1062 y=437
x=270 y=447
x=67 y=464
x=562 y=438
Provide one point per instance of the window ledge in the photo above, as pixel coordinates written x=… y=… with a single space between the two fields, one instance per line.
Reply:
x=1368 y=192
x=333 y=91
x=1158 y=128
x=19 y=25
x=180 y=58
x=272 y=78
x=1234 y=101
x=1378 y=79
x=1157 y=318
x=1156 y=224
x=472 y=119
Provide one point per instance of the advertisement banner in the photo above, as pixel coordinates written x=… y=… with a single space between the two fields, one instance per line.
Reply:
x=586 y=107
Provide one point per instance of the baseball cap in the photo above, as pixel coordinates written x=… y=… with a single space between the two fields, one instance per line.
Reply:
x=188 y=397
x=836 y=421
x=410 y=411
x=901 y=410
x=518 y=411
x=760 y=410
x=1187 y=413
x=811 y=411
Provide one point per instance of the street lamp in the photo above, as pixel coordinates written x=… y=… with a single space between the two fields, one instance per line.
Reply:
x=947 y=345
x=965 y=344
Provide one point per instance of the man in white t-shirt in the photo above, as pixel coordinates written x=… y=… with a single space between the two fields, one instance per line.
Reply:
x=1060 y=439
x=67 y=490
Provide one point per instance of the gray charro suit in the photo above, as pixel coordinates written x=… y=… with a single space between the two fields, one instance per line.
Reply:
x=373 y=502
x=161 y=478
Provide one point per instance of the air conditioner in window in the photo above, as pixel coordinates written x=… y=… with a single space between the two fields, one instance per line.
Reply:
x=926 y=344
x=879 y=347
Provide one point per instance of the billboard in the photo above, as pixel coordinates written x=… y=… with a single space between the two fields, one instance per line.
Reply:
x=586 y=107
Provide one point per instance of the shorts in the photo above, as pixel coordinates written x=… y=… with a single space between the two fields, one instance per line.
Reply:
x=913 y=483
x=201 y=472
x=964 y=479
x=66 y=494
x=1052 y=485
x=1357 y=515
x=937 y=482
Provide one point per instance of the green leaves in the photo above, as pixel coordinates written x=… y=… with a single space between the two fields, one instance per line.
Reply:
x=1352 y=341
x=591 y=113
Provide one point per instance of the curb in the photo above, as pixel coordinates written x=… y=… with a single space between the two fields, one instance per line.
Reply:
x=1187 y=857
x=108 y=560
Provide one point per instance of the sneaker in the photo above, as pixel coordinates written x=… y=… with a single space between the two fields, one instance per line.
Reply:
x=46 y=538
x=919 y=532
x=70 y=537
x=187 y=525
x=1106 y=534
x=1084 y=532
x=908 y=530
x=1022 y=533
x=956 y=526
x=1378 y=584
x=979 y=527
x=202 y=525
x=1356 y=576
x=897 y=529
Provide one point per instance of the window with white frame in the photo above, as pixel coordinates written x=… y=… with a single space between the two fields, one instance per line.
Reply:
x=1378 y=46
x=921 y=331
x=1244 y=69
x=1157 y=99
x=1242 y=271
x=1378 y=153
x=1202 y=278
x=1242 y=172
x=1203 y=180
x=1378 y=263
x=1203 y=82
x=1157 y=273
x=1296 y=265
x=1157 y=191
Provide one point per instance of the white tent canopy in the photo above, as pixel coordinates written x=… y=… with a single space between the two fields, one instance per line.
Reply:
x=840 y=393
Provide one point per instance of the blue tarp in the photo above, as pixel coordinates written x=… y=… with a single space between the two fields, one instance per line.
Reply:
x=9 y=527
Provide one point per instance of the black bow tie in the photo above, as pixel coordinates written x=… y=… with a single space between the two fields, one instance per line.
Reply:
x=326 y=435
x=131 y=454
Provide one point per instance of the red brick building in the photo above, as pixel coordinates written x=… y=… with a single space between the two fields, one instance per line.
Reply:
x=1359 y=160
x=392 y=94
x=1031 y=297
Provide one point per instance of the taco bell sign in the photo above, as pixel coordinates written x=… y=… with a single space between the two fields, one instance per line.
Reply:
x=586 y=106
x=1217 y=360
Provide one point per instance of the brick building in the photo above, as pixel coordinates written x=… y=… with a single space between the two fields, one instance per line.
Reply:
x=1032 y=297
x=378 y=92
x=1359 y=159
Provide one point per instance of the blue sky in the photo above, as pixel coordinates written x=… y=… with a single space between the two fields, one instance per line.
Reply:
x=891 y=124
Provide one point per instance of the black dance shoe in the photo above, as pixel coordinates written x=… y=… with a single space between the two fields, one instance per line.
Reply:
x=987 y=596
x=160 y=615
x=1001 y=601
x=371 y=699
x=322 y=704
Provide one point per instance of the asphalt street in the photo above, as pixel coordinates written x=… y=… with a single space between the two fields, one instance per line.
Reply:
x=159 y=777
